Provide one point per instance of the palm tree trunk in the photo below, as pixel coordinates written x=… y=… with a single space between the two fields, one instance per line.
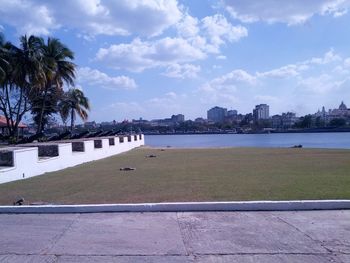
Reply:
x=10 y=119
x=42 y=109
x=72 y=119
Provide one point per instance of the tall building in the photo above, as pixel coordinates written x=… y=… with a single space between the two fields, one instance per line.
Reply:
x=178 y=118
x=217 y=114
x=261 y=112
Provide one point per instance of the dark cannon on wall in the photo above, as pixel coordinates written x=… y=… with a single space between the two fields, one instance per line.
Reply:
x=79 y=135
x=59 y=137
x=31 y=139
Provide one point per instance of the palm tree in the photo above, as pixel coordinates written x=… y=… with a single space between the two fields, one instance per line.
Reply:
x=3 y=58
x=59 y=69
x=28 y=72
x=73 y=103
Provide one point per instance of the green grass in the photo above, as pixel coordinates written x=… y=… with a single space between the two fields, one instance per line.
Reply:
x=194 y=175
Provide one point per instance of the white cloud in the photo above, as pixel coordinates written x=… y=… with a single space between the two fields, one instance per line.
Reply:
x=216 y=66
x=235 y=77
x=328 y=57
x=188 y=26
x=266 y=99
x=167 y=104
x=171 y=94
x=93 y=17
x=27 y=16
x=195 y=40
x=296 y=69
x=126 y=109
x=347 y=62
x=291 y=70
x=225 y=88
x=219 y=30
x=320 y=84
x=94 y=77
x=209 y=33
x=140 y=55
x=289 y=12
x=221 y=57
x=182 y=71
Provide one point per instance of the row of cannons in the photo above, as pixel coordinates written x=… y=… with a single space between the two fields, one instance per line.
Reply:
x=31 y=159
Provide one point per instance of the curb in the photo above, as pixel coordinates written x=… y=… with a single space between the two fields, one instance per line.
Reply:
x=182 y=207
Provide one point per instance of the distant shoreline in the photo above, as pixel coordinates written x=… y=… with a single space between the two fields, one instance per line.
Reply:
x=315 y=130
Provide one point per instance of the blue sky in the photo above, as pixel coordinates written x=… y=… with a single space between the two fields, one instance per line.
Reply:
x=155 y=58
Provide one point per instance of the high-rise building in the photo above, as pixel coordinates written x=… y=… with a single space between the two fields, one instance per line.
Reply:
x=178 y=118
x=217 y=114
x=261 y=112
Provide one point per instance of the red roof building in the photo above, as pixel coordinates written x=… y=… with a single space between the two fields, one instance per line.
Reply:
x=3 y=123
x=4 y=130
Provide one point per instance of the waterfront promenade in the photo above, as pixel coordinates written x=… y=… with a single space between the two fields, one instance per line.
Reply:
x=302 y=236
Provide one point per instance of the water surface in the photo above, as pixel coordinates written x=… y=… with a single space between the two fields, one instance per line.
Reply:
x=339 y=140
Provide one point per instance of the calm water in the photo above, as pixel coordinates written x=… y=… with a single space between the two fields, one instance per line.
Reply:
x=308 y=140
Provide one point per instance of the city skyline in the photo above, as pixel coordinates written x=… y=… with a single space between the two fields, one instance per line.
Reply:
x=154 y=58
x=224 y=112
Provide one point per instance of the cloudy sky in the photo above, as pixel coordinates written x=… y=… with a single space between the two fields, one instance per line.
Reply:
x=155 y=58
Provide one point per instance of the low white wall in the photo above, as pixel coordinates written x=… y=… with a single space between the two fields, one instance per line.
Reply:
x=293 y=205
x=28 y=164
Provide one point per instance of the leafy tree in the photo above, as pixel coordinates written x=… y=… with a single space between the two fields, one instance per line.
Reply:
x=22 y=76
x=58 y=69
x=337 y=122
x=319 y=122
x=305 y=122
x=4 y=64
x=73 y=103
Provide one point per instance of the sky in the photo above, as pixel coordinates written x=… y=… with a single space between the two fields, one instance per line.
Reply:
x=153 y=58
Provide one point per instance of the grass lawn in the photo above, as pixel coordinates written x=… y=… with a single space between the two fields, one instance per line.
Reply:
x=193 y=175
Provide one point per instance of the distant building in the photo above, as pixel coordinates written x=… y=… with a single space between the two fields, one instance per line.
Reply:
x=217 y=114
x=90 y=125
x=231 y=113
x=343 y=107
x=4 y=129
x=276 y=121
x=200 y=120
x=167 y=122
x=178 y=118
x=341 y=112
x=284 y=121
x=261 y=112
x=139 y=121
x=289 y=119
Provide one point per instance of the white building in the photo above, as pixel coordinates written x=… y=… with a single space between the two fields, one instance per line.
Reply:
x=341 y=112
x=261 y=112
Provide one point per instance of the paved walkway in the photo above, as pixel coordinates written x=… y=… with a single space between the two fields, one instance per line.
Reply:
x=308 y=236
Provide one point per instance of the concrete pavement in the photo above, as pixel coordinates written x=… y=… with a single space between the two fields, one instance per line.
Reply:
x=301 y=236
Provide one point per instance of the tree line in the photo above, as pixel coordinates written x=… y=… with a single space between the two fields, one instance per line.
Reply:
x=37 y=77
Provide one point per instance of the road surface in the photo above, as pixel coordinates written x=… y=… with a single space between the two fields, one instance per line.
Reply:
x=225 y=237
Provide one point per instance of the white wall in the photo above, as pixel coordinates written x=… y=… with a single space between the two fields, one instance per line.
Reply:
x=28 y=164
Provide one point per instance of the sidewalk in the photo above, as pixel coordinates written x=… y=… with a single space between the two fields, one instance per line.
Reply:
x=303 y=236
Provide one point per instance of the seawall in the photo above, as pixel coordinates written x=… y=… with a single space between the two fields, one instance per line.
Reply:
x=35 y=159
